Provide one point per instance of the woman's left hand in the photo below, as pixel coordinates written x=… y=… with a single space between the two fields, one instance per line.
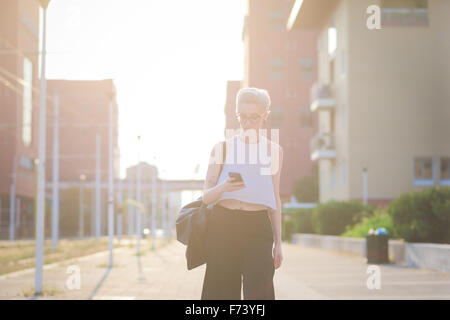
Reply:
x=277 y=255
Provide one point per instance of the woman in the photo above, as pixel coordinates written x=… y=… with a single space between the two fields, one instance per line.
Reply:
x=244 y=226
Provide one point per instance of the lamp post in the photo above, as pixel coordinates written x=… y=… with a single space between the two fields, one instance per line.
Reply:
x=55 y=167
x=98 y=142
x=40 y=201
x=365 y=184
x=138 y=198
x=12 y=201
x=164 y=208
x=153 y=202
x=81 y=207
x=111 y=96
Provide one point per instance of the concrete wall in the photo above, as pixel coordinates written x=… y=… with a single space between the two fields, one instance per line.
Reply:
x=420 y=255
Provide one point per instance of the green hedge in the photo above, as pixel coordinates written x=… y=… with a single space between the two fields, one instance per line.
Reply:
x=333 y=217
x=422 y=216
x=295 y=221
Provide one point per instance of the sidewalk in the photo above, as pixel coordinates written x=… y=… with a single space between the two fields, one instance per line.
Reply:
x=306 y=273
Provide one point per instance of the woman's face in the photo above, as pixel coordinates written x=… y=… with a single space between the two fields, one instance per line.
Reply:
x=251 y=116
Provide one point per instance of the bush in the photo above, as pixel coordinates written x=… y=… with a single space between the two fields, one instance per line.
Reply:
x=304 y=222
x=296 y=221
x=307 y=188
x=422 y=216
x=333 y=217
x=380 y=219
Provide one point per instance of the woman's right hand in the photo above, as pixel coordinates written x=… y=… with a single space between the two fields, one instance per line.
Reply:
x=230 y=185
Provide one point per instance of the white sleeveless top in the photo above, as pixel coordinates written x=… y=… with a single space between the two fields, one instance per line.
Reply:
x=253 y=162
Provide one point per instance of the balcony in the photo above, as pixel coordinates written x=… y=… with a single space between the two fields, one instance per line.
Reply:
x=322 y=146
x=321 y=97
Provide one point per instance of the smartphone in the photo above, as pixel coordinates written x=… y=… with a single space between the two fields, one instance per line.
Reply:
x=236 y=176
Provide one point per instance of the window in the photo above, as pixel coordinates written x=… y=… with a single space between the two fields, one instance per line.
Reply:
x=307 y=68
x=288 y=93
x=27 y=103
x=276 y=117
x=276 y=20
x=404 y=13
x=276 y=68
x=322 y=186
x=444 y=176
x=423 y=171
x=344 y=172
x=343 y=65
x=331 y=64
x=26 y=162
x=332 y=40
x=333 y=176
x=306 y=117
x=343 y=115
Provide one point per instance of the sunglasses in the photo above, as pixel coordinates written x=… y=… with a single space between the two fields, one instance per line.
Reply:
x=252 y=118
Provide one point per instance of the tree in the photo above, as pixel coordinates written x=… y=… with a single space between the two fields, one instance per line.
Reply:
x=307 y=188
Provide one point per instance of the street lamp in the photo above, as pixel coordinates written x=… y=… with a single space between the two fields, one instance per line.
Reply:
x=81 y=207
x=138 y=197
x=164 y=207
x=55 y=167
x=40 y=201
x=365 y=184
x=111 y=95
x=153 y=201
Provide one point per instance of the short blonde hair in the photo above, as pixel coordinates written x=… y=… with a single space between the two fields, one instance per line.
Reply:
x=253 y=95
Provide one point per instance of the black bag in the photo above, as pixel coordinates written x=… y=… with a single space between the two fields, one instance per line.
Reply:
x=191 y=228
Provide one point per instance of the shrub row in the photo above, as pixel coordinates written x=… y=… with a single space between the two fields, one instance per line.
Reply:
x=419 y=216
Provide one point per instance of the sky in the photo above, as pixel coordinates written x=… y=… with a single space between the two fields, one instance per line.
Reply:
x=170 y=61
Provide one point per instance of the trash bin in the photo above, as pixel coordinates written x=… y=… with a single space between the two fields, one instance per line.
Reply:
x=377 y=246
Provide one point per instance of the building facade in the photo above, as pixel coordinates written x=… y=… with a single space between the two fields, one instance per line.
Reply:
x=231 y=121
x=83 y=113
x=382 y=96
x=19 y=110
x=285 y=64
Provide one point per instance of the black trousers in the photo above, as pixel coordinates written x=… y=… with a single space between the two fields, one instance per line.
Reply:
x=239 y=252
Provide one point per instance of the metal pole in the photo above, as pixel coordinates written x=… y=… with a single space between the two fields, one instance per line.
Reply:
x=55 y=204
x=130 y=209
x=81 y=208
x=40 y=213
x=12 y=201
x=365 y=185
x=110 y=186
x=119 y=226
x=19 y=223
x=92 y=210
x=164 y=209
x=138 y=200
x=119 y=213
x=97 y=185
x=153 y=205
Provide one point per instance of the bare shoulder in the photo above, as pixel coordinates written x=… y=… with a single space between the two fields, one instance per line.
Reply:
x=275 y=147
x=217 y=146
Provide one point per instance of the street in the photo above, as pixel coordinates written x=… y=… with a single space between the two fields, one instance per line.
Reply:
x=306 y=273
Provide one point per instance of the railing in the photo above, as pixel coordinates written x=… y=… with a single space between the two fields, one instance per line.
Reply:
x=322 y=141
x=320 y=91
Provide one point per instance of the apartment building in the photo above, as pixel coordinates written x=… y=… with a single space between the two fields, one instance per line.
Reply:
x=19 y=109
x=83 y=113
x=230 y=106
x=382 y=95
x=285 y=64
